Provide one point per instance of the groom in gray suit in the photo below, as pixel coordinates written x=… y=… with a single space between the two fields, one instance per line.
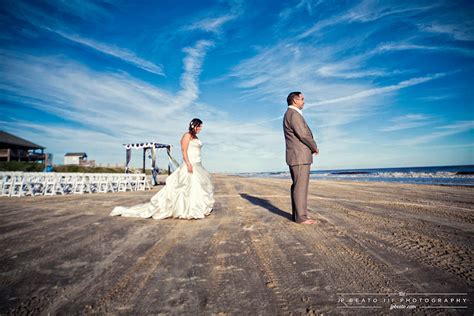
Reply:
x=300 y=147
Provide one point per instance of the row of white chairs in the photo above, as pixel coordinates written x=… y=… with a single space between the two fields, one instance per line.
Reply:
x=42 y=183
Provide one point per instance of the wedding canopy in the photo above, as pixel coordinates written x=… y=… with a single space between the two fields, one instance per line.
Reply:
x=152 y=146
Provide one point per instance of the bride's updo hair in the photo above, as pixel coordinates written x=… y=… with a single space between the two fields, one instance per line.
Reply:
x=195 y=122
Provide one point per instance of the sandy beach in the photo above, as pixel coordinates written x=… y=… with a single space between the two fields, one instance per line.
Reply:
x=383 y=241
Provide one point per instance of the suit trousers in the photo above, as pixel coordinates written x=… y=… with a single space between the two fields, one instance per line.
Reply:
x=299 y=192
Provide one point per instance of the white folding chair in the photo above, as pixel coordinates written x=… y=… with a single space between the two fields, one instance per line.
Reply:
x=105 y=183
x=94 y=180
x=142 y=183
x=29 y=178
x=38 y=183
x=65 y=182
x=52 y=185
x=9 y=180
x=134 y=181
x=113 y=182
x=80 y=185
x=87 y=185
x=17 y=185
x=7 y=183
x=124 y=183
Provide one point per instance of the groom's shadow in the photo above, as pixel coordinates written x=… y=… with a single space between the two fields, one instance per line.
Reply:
x=266 y=204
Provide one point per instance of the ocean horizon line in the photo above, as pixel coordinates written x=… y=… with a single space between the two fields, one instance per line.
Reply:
x=346 y=169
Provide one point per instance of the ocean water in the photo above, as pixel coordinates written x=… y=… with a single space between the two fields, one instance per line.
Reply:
x=443 y=175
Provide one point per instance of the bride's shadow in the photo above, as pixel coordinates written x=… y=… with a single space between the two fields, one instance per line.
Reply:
x=266 y=204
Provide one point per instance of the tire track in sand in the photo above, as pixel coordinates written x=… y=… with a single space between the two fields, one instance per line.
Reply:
x=131 y=283
x=408 y=240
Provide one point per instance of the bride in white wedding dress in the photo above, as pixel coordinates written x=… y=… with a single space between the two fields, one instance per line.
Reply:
x=188 y=193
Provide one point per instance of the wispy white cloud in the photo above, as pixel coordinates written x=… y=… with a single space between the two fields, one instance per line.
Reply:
x=269 y=73
x=439 y=132
x=380 y=90
x=366 y=11
x=88 y=96
x=122 y=54
x=460 y=31
x=362 y=95
x=101 y=101
x=308 y=5
x=370 y=10
x=458 y=126
x=408 y=121
x=85 y=9
x=214 y=19
x=76 y=93
x=347 y=71
x=401 y=46
x=436 y=97
x=213 y=25
x=192 y=68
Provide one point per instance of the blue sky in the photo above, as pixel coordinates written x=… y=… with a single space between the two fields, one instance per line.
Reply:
x=386 y=83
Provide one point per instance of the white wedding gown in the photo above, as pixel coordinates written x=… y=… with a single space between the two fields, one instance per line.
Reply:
x=185 y=195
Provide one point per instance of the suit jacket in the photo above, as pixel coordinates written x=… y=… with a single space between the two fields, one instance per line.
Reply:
x=300 y=144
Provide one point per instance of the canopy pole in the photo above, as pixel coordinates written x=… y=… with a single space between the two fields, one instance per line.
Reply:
x=144 y=152
x=169 y=165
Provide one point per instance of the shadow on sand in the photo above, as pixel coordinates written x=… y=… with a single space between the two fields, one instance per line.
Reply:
x=266 y=204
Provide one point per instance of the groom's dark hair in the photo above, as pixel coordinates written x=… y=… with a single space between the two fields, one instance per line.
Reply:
x=293 y=95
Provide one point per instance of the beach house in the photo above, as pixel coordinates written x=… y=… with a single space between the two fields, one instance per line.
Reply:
x=14 y=148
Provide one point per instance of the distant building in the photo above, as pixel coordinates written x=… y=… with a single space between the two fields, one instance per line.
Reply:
x=14 y=148
x=74 y=158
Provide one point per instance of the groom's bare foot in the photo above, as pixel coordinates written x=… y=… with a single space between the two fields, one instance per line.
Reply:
x=308 y=222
